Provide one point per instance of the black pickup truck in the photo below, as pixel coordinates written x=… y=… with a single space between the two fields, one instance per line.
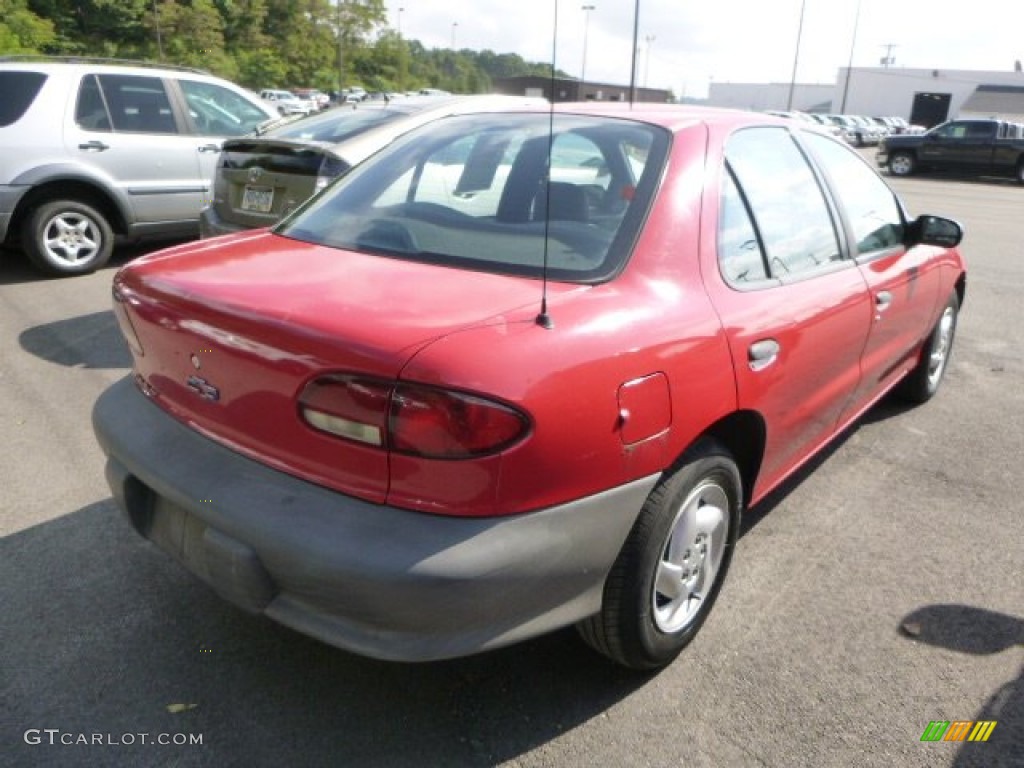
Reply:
x=965 y=147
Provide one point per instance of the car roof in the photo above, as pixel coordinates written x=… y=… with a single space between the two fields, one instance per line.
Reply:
x=674 y=117
x=117 y=66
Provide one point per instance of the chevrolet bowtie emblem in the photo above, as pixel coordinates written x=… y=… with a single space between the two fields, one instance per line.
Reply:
x=203 y=388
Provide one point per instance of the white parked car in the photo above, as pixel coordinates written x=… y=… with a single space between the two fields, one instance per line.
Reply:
x=286 y=102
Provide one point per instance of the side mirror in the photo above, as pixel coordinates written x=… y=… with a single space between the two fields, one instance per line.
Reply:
x=934 y=230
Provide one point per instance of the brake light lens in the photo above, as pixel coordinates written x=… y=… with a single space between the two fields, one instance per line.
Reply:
x=451 y=425
x=410 y=418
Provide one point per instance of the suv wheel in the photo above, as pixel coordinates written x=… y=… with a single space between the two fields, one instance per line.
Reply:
x=65 y=237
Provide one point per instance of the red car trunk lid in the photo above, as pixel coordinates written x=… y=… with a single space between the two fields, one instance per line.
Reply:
x=232 y=333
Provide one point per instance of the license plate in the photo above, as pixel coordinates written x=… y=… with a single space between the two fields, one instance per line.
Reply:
x=258 y=199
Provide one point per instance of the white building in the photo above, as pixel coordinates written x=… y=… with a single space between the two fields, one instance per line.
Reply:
x=923 y=96
x=929 y=96
x=761 y=96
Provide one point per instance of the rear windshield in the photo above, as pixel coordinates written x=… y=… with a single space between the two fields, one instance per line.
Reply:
x=475 y=191
x=17 y=92
x=335 y=125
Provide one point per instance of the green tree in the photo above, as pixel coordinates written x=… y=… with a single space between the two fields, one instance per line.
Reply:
x=97 y=27
x=21 y=30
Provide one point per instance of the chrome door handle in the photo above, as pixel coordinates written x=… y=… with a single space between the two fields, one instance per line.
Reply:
x=94 y=146
x=209 y=148
x=763 y=353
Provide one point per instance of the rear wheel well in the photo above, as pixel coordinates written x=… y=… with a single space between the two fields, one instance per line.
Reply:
x=743 y=434
x=80 y=191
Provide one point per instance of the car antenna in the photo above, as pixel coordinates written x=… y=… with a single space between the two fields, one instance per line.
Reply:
x=636 y=42
x=544 y=319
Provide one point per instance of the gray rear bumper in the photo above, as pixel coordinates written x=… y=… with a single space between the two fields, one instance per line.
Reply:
x=377 y=580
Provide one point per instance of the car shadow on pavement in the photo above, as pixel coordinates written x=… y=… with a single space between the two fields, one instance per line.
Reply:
x=979 y=632
x=86 y=341
x=104 y=633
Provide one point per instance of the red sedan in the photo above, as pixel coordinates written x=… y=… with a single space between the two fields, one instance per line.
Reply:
x=520 y=371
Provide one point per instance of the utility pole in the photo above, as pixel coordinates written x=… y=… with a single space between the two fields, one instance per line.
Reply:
x=796 y=55
x=888 y=60
x=648 y=39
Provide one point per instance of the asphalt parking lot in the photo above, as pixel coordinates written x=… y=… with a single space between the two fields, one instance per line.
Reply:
x=881 y=590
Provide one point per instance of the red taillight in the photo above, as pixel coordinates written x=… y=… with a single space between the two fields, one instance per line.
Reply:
x=451 y=425
x=409 y=418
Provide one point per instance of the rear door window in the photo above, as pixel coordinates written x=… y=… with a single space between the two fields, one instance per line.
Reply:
x=786 y=201
x=17 y=92
x=135 y=104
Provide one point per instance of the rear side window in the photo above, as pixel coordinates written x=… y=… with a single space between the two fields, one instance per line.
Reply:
x=17 y=92
x=785 y=199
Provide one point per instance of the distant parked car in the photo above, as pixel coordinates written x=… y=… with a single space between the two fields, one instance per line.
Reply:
x=286 y=102
x=318 y=99
x=261 y=178
x=827 y=125
x=859 y=132
x=518 y=371
x=92 y=149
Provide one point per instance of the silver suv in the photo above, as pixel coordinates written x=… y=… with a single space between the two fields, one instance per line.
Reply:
x=90 y=149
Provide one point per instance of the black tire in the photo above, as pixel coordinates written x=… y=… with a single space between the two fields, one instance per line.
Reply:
x=66 y=237
x=1020 y=171
x=923 y=381
x=902 y=164
x=644 y=625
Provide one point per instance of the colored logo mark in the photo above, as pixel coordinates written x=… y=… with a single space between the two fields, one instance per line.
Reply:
x=958 y=730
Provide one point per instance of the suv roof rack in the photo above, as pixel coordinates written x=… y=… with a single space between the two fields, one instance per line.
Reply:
x=73 y=59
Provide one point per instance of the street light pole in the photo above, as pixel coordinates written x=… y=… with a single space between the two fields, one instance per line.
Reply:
x=455 y=25
x=796 y=55
x=583 y=69
x=647 y=56
x=400 y=11
x=341 y=52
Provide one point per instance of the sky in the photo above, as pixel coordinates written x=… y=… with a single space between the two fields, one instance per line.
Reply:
x=684 y=45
